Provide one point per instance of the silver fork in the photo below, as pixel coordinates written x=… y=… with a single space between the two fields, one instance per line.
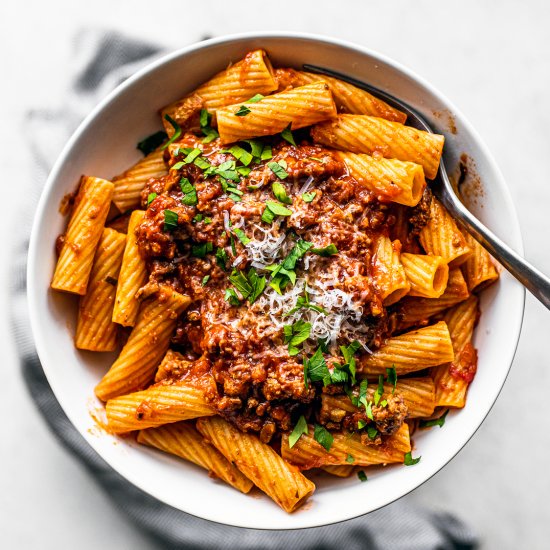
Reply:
x=531 y=278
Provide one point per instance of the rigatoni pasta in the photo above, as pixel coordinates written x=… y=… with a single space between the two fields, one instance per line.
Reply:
x=282 y=289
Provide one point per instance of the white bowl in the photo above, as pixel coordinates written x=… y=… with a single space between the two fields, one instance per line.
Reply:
x=105 y=144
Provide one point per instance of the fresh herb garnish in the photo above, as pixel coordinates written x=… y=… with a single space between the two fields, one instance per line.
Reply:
x=372 y=432
x=315 y=368
x=392 y=377
x=279 y=169
x=279 y=190
x=189 y=192
x=284 y=273
x=329 y=250
x=150 y=143
x=210 y=134
x=205 y=279
x=379 y=390
x=361 y=424
x=202 y=163
x=150 y=198
x=273 y=209
x=170 y=220
x=362 y=475
x=410 y=461
x=202 y=249
x=192 y=155
x=242 y=111
x=241 y=154
x=308 y=197
x=350 y=364
x=241 y=235
x=250 y=285
x=286 y=134
x=303 y=302
x=255 y=98
x=231 y=297
x=221 y=258
x=350 y=459
x=323 y=437
x=435 y=422
x=368 y=410
x=296 y=334
x=299 y=430
x=177 y=131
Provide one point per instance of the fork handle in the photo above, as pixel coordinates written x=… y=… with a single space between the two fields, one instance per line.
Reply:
x=529 y=276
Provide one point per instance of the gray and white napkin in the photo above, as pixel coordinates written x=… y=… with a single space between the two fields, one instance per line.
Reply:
x=102 y=61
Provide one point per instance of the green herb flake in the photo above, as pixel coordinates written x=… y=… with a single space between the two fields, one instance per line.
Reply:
x=255 y=98
x=189 y=193
x=249 y=285
x=296 y=334
x=192 y=155
x=268 y=216
x=304 y=302
x=329 y=250
x=266 y=153
x=202 y=163
x=361 y=424
x=308 y=197
x=392 y=377
x=286 y=134
x=379 y=390
x=410 y=461
x=242 y=111
x=150 y=143
x=205 y=279
x=241 y=235
x=299 y=430
x=435 y=422
x=202 y=249
x=150 y=198
x=210 y=134
x=170 y=220
x=278 y=169
x=244 y=170
x=372 y=432
x=350 y=459
x=177 y=131
x=177 y=165
x=316 y=368
x=368 y=410
x=279 y=190
x=231 y=297
x=221 y=258
x=362 y=475
x=241 y=154
x=323 y=437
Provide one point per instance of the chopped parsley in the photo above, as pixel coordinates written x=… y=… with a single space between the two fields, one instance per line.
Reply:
x=242 y=111
x=329 y=250
x=296 y=334
x=435 y=422
x=250 y=285
x=221 y=258
x=150 y=198
x=350 y=459
x=150 y=143
x=299 y=430
x=201 y=218
x=210 y=134
x=372 y=432
x=241 y=235
x=231 y=297
x=361 y=424
x=379 y=390
x=191 y=156
x=279 y=190
x=362 y=475
x=410 y=461
x=241 y=154
x=274 y=209
x=177 y=131
x=286 y=134
x=189 y=193
x=202 y=249
x=205 y=279
x=392 y=377
x=284 y=273
x=315 y=368
x=279 y=168
x=323 y=437
x=170 y=220
x=255 y=98
x=308 y=197
x=303 y=302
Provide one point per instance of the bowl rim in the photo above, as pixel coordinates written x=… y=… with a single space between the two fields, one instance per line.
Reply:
x=33 y=289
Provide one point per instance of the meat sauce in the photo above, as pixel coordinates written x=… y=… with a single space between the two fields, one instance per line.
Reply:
x=228 y=344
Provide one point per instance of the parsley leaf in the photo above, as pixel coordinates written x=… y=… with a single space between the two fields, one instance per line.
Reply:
x=150 y=198
x=241 y=154
x=205 y=279
x=210 y=133
x=299 y=430
x=329 y=250
x=221 y=258
x=276 y=209
x=362 y=475
x=284 y=273
x=150 y=143
x=303 y=302
x=170 y=220
x=241 y=235
x=410 y=461
x=296 y=334
x=177 y=131
x=279 y=190
x=242 y=111
x=200 y=250
x=379 y=390
x=392 y=377
x=191 y=156
x=372 y=432
x=350 y=459
x=266 y=152
x=315 y=368
x=231 y=297
x=189 y=193
x=255 y=98
x=278 y=168
x=368 y=410
x=308 y=197
x=323 y=437
x=249 y=285
x=435 y=422
x=286 y=134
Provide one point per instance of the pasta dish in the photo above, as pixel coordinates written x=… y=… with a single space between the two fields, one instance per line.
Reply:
x=284 y=291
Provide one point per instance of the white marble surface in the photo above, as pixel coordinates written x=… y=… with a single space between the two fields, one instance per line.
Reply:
x=491 y=58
